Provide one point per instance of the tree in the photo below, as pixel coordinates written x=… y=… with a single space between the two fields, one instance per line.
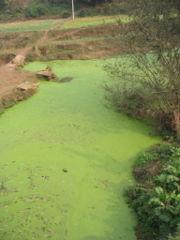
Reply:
x=177 y=235
x=153 y=40
x=2 y=4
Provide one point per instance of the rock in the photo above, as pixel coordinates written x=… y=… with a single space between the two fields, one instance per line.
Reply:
x=47 y=74
x=19 y=93
x=27 y=86
x=18 y=61
x=25 y=90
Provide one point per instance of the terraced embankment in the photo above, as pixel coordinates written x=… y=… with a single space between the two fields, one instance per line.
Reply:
x=84 y=38
x=65 y=160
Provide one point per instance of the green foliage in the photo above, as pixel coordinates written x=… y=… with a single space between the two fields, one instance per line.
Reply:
x=112 y=8
x=65 y=14
x=2 y=4
x=89 y=21
x=36 y=9
x=143 y=88
x=156 y=202
x=177 y=235
x=154 y=31
x=162 y=153
x=123 y=90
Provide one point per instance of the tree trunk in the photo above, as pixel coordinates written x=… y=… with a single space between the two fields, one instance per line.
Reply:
x=177 y=123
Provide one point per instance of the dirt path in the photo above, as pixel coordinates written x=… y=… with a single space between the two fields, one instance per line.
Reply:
x=10 y=78
x=15 y=86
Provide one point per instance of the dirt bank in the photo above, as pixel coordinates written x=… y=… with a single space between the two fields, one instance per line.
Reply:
x=81 y=43
x=15 y=86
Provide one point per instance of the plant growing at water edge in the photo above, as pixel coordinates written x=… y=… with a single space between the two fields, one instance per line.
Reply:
x=156 y=199
x=177 y=235
x=154 y=85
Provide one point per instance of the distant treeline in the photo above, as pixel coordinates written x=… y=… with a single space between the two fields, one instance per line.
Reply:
x=62 y=8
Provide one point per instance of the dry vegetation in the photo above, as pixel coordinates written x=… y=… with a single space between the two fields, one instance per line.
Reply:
x=79 y=43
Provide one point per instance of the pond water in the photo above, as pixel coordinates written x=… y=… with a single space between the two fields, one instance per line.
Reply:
x=65 y=160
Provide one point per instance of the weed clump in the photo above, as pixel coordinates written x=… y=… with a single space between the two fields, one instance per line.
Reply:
x=155 y=198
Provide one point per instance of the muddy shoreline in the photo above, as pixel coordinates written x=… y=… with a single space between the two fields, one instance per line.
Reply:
x=15 y=86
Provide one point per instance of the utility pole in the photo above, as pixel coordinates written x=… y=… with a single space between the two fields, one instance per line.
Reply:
x=73 y=15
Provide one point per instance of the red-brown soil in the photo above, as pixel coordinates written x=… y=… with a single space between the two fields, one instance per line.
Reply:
x=11 y=90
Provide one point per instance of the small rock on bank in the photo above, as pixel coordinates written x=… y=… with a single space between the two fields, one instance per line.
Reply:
x=46 y=74
x=17 y=62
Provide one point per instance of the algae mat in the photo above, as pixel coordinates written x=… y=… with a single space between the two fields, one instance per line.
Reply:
x=65 y=160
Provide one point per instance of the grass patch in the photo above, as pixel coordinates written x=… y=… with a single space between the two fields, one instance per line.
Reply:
x=94 y=21
x=41 y=25
x=29 y=26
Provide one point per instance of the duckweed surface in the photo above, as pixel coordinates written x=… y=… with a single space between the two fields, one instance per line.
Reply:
x=65 y=160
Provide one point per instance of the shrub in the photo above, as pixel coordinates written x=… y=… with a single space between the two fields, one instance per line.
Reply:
x=83 y=12
x=177 y=235
x=112 y=8
x=36 y=10
x=162 y=153
x=65 y=14
x=156 y=200
x=132 y=92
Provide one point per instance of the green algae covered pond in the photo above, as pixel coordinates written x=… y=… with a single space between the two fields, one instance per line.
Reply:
x=65 y=160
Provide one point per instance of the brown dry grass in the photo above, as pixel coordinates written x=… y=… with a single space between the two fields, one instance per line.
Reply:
x=82 y=43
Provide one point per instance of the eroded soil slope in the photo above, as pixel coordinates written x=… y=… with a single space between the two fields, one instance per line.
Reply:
x=15 y=86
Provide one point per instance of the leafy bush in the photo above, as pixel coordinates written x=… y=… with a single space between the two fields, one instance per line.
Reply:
x=65 y=14
x=177 y=235
x=84 y=12
x=113 y=8
x=152 y=40
x=123 y=90
x=156 y=201
x=36 y=9
x=132 y=92
x=162 y=153
x=131 y=103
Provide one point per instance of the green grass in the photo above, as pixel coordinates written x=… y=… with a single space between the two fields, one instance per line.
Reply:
x=28 y=26
x=41 y=25
x=66 y=159
x=92 y=21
